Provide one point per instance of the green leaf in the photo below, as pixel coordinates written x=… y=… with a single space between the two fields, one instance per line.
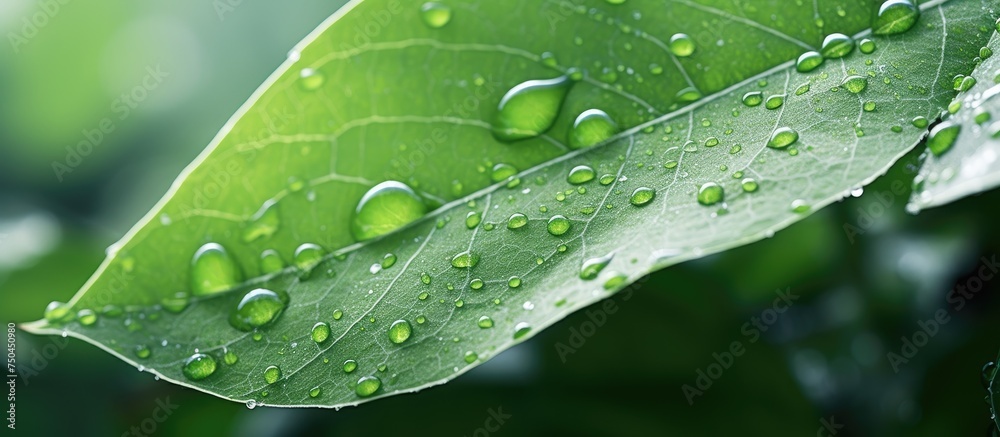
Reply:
x=326 y=142
x=970 y=163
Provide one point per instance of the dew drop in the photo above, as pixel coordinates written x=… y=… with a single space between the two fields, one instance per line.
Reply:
x=942 y=137
x=213 y=270
x=642 y=196
x=710 y=193
x=367 y=386
x=435 y=15
x=230 y=358
x=385 y=208
x=591 y=127
x=681 y=45
x=272 y=374
x=530 y=108
x=854 y=83
x=783 y=137
x=517 y=221
x=400 y=331
x=775 y=102
x=198 y=367
x=315 y=392
x=472 y=219
x=580 y=174
x=894 y=17
x=837 y=45
x=142 y=351
x=307 y=256
x=808 y=61
x=464 y=260
x=311 y=80
x=749 y=185
x=320 y=332
x=86 y=317
x=753 y=98
x=558 y=225
x=271 y=262
x=867 y=46
x=259 y=307
x=592 y=267
x=471 y=357
x=57 y=312
x=521 y=329
x=350 y=366
x=800 y=206
x=485 y=322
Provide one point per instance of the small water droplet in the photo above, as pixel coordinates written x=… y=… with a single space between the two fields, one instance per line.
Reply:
x=271 y=262
x=485 y=322
x=517 y=221
x=142 y=351
x=311 y=80
x=753 y=98
x=775 y=102
x=350 y=366
x=521 y=329
x=400 y=331
x=315 y=392
x=272 y=374
x=854 y=83
x=435 y=15
x=307 y=256
x=867 y=46
x=86 y=317
x=230 y=358
x=642 y=196
x=592 y=267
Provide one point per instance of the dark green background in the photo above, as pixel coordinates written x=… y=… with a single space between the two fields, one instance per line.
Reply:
x=825 y=357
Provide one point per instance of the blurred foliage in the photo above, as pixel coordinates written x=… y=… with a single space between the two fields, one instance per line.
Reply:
x=825 y=357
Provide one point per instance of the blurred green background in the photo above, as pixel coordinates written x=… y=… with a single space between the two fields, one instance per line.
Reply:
x=821 y=363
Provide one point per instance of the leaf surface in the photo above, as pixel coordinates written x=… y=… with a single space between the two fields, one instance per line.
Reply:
x=389 y=108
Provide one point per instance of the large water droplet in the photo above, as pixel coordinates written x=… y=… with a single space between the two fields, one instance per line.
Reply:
x=400 y=331
x=753 y=98
x=198 y=367
x=558 y=225
x=272 y=374
x=464 y=260
x=472 y=219
x=307 y=256
x=530 y=108
x=591 y=127
x=942 y=137
x=807 y=62
x=435 y=14
x=710 y=193
x=213 y=270
x=367 y=386
x=783 y=137
x=895 y=16
x=517 y=221
x=350 y=366
x=642 y=196
x=580 y=174
x=385 y=208
x=259 y=307
x=855 y=84
x=681 y=45
x=320 y=332
x=837 y=45
x=485 y=322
